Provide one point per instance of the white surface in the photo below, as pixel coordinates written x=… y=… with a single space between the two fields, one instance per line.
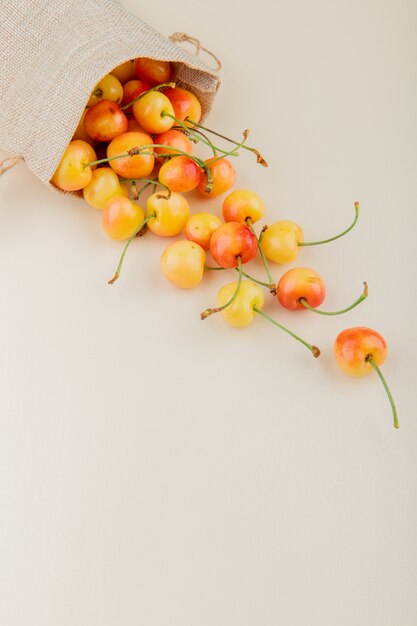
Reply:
x=162 y=471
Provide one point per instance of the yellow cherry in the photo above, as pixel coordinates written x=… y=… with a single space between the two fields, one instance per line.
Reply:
x=124 y=72
x=150 y=111
x=121 y=217
x=104 y=185
x=241 y=312
x=280 y=241
x=71 y=175
x=171 y=214
x=108 y=88
x=200 y=227
x=182 y=263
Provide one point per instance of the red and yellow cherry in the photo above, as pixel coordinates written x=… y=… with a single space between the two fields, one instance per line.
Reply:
x=281 y=241
x=300 y=283
x=124 y=72
x=105 y=121
x=104 y=185
x=233 y=241
x=133 y=126
x=180 y=173
x=169 y=214
x=223 y=175
x=361 y=350
x=185 y=105
x=182 y=263
x=175 y=140
x=200 y=227
x=108 y=88
x=71 y=173
x=131 y=90
x=81 y=133
x=153 y=71
x=121 y=217
x=240 y=312
x=153 y=111
x=137 y=166
x=241 y=205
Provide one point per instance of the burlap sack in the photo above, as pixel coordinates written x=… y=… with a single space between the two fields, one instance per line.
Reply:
x=52 y=54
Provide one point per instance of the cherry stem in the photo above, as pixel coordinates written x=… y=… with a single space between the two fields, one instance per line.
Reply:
x=150 y=181
x=209 y=312
x=128 y=242
x=370 y=360
x=156 y=88
x=255 y=280
x=197 y=139
x=192 y=134
x=361 y=298
x=313 y=349
x=318 y=243
x=272 y=287
x=259 y=157
x=232 y=152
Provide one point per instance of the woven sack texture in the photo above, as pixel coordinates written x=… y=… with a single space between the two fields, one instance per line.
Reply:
x=54 y=53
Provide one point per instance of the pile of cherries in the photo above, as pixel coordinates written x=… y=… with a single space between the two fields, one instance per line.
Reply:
x=139 y=131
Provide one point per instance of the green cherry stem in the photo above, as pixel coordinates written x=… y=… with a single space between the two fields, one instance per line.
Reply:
x=254 y=280
x=233 y=152
x=209 y=312
x=256 y=152
x=151 y=181
x=361 y=298
x=370 y=360
x=156 y=88
x=313 y=349
x=317 y=243
x=197 y=139
x=128 y=242
x=272 y=286
x=191 y=133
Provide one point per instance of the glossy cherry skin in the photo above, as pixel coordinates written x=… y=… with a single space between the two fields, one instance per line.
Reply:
x=71 y=175
x=179 y=173
x=300 y=282
x=124 y=72
x=185 y=104
x=230 y=241
x=280 y=241
x=176 y=140
x=153 y=71
x=242 y=204
x=121 y=217
x=223 y=174
x=109 y=88
x=105 y=121
x=104 y=185
x=131 y=90
x=353 y=345
x=138 y=166
x=200 y=227
x=150 y=112
x=171 y=214
x=240 y=313
x=182 y=263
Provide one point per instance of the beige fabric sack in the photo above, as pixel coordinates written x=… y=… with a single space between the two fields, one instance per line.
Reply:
x=52 y=54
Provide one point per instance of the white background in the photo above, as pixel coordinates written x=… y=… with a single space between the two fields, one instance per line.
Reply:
x=158 y=470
